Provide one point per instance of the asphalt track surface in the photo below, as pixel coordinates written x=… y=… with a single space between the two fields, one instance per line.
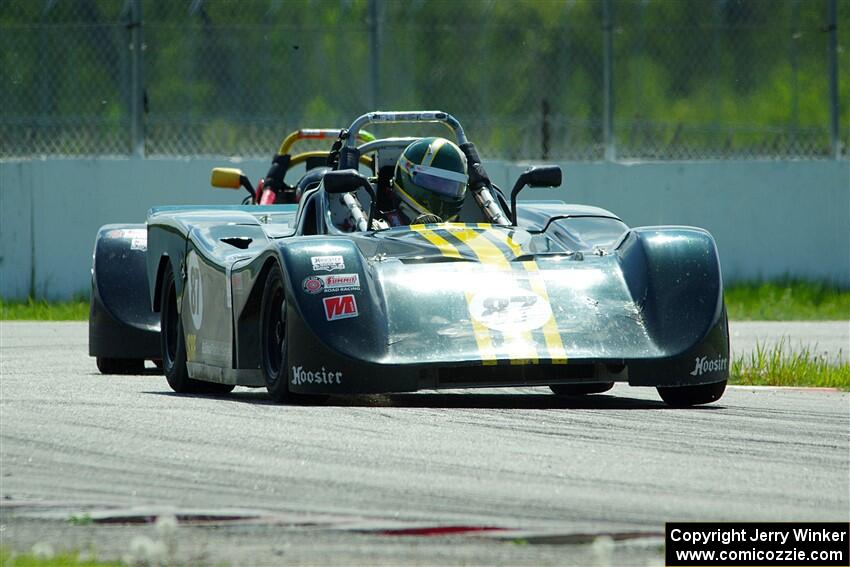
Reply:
x=362 y=479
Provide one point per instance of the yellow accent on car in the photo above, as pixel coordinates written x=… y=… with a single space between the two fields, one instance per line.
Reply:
x=520 y=345
x=481 y=333
x=557 y=353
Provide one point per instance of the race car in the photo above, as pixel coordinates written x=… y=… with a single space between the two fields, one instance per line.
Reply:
x=322 y=297
x=123 y=330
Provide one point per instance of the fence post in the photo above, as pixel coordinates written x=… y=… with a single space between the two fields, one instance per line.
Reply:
x=607 y=84
x=832 y=24
x=137 y=85
x=374 y=53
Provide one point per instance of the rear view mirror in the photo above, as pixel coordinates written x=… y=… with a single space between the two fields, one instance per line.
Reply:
x=231 y=178
x=348 y=181
x=345 y=181
x=535 y=176
x=226 y=178
x=544 y=176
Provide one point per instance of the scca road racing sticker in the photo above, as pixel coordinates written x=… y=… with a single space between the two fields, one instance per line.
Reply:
x=195 y=289
x=340 y=307
x=300 y=376
x=313 y=284
x=340 y=282
x=327 y=263
x=510 y=310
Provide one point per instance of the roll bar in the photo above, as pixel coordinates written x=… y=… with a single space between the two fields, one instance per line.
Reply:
x=385 y=143
x=437 y=116
x=479 y=182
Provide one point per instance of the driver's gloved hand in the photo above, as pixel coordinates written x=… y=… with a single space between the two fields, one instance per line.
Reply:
x=427 y=218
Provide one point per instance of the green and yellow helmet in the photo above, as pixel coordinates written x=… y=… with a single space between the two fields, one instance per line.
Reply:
x=430 y=178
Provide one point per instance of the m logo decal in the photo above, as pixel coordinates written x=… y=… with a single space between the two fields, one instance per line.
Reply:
x=340 y=307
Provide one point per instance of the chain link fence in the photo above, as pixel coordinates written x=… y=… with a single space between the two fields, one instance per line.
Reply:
x=567 y=79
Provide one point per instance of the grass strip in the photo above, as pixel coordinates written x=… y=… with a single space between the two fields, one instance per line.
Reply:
x=787 y=300
x=43 y=310
x=48 y=559
x=779 y=365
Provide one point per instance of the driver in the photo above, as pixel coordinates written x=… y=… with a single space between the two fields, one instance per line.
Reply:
x=429 y=183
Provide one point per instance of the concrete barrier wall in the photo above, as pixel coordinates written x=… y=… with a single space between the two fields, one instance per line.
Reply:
x=770 y=219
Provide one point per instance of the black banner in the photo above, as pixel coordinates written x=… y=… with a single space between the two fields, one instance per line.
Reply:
x=762 y=544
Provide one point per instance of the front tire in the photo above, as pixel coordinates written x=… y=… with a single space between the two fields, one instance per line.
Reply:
x=686 y=396
x=581 y=389
x=173 y=345
x=274 y=359
x=120 y=365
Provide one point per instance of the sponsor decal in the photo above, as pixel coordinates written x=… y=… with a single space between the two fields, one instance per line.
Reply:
x=214 y=348
x=340 y=307
x=340 y=282
x=323 y=376
x=195 y=289
x=191 y=342
x=131 y=233
x=510 y=311
x=327 y=263
x=702 y=365
x=313 y=284
x=139 y=243
x=237 y=281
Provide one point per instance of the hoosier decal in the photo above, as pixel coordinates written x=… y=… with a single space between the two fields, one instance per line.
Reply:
x=340 y=307
x=702 y=365
x=300 y=376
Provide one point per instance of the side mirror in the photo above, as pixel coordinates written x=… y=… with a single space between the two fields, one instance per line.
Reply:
x=231 y=178
x=226 y=178
x=535 y=176
x=347 y=181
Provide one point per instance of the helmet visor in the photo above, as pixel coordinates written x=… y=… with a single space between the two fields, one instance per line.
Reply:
x=441 y=181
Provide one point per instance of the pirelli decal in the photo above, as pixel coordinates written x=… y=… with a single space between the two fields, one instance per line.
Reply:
x=492 y=313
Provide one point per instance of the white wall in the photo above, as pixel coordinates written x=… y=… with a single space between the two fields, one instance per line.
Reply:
x=770 y=219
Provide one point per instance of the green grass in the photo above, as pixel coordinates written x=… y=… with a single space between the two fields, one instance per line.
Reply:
x=779 y=366
x=10 y=559
x=41 y=310
x=788 y=300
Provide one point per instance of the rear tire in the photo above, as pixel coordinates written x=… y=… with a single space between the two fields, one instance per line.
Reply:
x=173 y=345
x=274 y=360
x=685 y=396
x=120 y=365
x=581 y=389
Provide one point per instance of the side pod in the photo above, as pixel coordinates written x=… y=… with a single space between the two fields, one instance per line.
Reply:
x=123 y=330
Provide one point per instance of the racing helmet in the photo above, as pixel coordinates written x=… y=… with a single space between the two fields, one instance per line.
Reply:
x=430 y=179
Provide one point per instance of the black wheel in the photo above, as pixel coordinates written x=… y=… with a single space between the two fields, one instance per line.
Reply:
x=273 y=340
x=173 y=344
x=684 y=396
x=581 y=389
x=120 y=365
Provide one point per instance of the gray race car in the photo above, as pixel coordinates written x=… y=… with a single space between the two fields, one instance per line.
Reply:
x=323 y=298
